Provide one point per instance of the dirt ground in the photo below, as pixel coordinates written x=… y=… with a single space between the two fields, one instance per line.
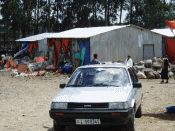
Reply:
x=25 y=104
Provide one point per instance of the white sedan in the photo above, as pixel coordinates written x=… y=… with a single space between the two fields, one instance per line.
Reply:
x=98 y=95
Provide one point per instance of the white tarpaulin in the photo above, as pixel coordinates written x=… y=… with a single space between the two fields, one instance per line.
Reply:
x=165 y=32
x=34 y=37
x=73 y=33
x=84 y=33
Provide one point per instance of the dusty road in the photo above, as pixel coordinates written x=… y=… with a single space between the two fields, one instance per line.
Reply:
x=25 y=104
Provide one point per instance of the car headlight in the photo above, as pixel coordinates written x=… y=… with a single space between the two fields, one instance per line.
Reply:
x=56 y=105
x=118 y=105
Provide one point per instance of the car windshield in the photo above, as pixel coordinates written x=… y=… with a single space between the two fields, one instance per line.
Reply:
x=93 y=77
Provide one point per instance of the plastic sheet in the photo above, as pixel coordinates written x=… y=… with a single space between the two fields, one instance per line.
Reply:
x=87 y=53
x=57 y=48
x=21 y=51
x=170 y=48
x=65 y=43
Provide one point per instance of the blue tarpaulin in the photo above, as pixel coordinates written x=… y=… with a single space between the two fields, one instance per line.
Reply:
x=24 y=45
x=87 y=54
x=67 y=68
x=24 y=48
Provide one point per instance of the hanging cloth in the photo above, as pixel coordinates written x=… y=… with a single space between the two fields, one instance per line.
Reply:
x=83 y=53
x=36 y=45
x=81 y=45
x=50 y=42
x=33 y=45
x=170 y=48
x=24 y=46
x=87 y=51
x=57 y=48
x=65 y=42
x=87 y=55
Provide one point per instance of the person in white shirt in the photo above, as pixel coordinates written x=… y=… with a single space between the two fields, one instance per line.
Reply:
x=129 y=61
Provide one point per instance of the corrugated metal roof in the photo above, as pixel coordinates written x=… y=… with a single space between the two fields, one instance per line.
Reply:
x=84 y=32
x=77 y=33
x=165 y=32
x=73 y=33
x=33 y=38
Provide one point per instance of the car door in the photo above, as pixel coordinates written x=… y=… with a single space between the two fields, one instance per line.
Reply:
x=137 y=91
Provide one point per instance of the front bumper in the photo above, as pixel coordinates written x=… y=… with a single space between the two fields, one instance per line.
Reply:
x=105 y=116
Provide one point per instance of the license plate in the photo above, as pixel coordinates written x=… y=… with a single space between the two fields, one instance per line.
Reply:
x=88 y=121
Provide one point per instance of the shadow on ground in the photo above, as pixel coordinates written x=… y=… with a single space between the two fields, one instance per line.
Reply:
x=93 y=128
x=163 y=116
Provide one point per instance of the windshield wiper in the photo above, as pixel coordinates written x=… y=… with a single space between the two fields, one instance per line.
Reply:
x=74 y=85
x=100 y=84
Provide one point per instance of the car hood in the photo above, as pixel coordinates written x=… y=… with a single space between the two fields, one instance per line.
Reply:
x=93 y=94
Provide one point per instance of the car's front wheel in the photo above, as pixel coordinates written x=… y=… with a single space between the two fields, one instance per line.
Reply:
x=57 y=127
x=139 y=111
x=131 y=124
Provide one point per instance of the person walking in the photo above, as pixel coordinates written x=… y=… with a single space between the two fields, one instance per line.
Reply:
x=95 y=60
x=164 y=73
x=129 y=61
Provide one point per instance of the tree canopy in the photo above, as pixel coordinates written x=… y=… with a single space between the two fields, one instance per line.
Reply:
x=22 y=18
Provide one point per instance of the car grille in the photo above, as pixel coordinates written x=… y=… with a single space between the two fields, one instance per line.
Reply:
x=87 y=105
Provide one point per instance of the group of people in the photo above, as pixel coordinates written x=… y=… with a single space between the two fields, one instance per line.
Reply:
x=129 y=62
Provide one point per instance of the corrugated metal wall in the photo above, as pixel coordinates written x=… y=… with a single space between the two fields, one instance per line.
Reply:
x=118 y=44
x=43 y=47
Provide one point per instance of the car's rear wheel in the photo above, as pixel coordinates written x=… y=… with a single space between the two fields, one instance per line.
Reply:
x=57 y=127
x=139 y=111
x=131 y=124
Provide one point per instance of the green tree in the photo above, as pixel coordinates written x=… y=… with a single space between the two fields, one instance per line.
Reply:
x=155 y=13
x=12 y=17
x=148 y=14
x=122 y=6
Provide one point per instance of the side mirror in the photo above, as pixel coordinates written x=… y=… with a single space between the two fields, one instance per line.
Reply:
x=62 y=85
x=137 y=85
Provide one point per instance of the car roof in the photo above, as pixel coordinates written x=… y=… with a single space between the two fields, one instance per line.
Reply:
x=105 y=65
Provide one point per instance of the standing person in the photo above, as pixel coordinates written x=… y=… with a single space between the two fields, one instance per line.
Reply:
x=129 y=61
x=164 y=73
x=95 y=60
x=1 y=61
x=61 y=58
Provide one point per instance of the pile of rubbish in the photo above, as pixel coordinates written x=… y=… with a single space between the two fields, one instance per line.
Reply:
x=40 y=66
x=25 y=67
x=151 y=68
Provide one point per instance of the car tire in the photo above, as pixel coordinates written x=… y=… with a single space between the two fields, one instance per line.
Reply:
x=131 y=124
x=58 y=127
x=139 y=111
